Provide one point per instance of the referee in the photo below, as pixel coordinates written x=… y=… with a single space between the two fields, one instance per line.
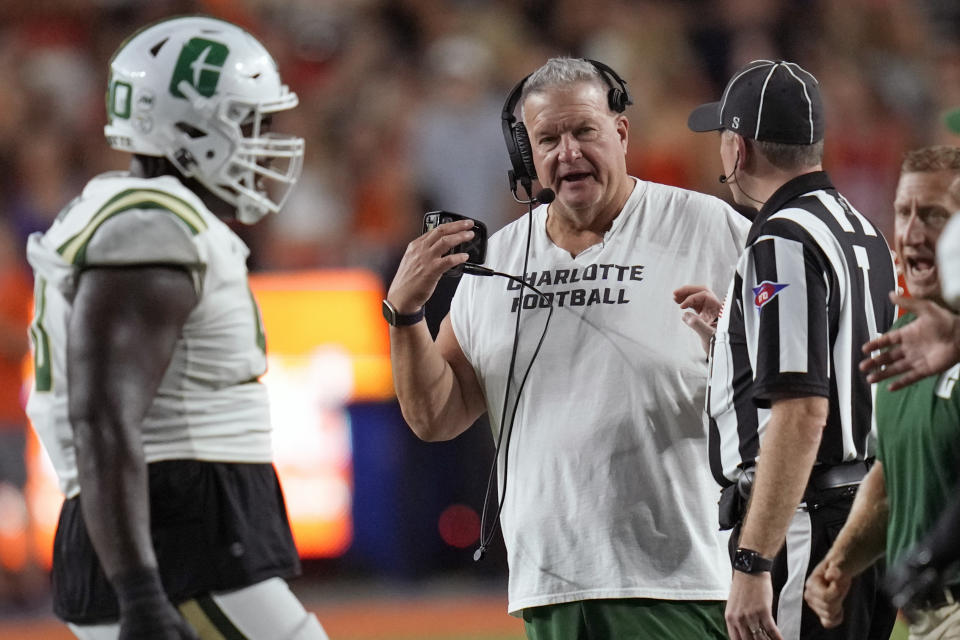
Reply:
x=790 y=414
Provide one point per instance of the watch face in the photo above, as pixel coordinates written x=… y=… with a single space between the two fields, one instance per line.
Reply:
x=400 y=319
x=389 y=314
x=749 y=561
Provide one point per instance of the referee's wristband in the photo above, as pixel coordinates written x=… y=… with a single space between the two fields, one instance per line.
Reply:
x=750 y=561
x=138 y=586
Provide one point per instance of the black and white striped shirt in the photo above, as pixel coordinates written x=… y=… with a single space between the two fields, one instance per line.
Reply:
x=810 y=289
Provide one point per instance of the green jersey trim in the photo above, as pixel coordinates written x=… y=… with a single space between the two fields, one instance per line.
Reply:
x=74 y=249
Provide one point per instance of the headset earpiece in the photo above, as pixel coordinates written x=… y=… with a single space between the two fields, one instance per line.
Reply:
x=524 y=149
x=618 y=100
x=618 y=97
x=518 y=143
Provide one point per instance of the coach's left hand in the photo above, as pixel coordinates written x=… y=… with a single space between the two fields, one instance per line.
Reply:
x=749 y=612
x=704 y=310
x=825 y=590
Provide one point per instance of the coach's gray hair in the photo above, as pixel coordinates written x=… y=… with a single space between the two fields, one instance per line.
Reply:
x=561 y=72
x=789 y=157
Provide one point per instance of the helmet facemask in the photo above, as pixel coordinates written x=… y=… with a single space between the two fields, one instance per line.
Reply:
x=235 y=157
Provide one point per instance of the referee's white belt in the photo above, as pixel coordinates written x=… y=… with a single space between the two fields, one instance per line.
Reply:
x=836 y=476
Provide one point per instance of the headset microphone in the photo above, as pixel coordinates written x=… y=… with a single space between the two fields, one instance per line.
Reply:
x=723 y=178
x=544 y=196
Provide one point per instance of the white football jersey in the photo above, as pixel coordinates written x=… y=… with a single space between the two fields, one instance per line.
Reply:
x=210 y=404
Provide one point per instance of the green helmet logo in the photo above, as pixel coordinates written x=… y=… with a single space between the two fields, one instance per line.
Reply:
x=199 y=65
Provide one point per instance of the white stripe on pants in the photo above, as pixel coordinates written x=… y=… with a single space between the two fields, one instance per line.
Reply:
x=798 y=549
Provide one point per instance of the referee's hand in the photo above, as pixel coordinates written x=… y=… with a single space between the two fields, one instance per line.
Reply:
x=749 y=610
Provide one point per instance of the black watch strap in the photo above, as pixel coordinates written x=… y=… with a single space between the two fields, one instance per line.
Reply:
x=397 y=319
x=749 y=561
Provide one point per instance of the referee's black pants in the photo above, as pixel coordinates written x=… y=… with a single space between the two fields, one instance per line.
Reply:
x=867 y=613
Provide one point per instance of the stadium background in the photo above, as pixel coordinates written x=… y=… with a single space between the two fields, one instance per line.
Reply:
x=400 y=103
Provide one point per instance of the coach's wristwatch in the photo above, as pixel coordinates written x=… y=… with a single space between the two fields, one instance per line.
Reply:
x=396 y=319
x=749 y=561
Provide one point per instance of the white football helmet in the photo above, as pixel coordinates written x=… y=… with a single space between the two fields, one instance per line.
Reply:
x=196 y=90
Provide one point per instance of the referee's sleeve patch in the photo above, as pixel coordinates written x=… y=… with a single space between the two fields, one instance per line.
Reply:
x=766 y=292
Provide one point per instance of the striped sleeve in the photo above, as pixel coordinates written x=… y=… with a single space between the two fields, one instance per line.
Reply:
x=786 y=290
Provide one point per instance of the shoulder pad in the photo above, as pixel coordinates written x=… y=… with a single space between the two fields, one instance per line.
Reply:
x=138 y=226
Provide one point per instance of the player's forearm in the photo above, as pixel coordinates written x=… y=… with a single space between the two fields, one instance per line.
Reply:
x=121 y=337
x=114 y=495
x=862 y=541
x=427 y=389
x=787 y=454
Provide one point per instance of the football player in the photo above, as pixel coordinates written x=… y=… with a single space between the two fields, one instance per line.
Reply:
x=148 y=350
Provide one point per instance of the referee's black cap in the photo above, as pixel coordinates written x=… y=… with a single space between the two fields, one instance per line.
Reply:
x=768 y=101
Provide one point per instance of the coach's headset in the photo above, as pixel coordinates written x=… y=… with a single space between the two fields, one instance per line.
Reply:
x=515 y=133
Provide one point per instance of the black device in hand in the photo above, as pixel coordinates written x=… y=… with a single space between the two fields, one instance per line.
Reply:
x=913 y=580
x=475 y=248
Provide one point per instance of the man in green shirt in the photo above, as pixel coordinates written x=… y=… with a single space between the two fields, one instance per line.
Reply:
x=918 y=426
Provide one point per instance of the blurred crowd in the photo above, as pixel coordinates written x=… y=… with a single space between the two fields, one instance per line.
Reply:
x=401 y=100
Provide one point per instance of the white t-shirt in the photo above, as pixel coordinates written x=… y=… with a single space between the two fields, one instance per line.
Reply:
x=609 y=493
x=210 y=405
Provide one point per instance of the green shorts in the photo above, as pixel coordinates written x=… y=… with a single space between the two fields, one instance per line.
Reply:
x=627 y=619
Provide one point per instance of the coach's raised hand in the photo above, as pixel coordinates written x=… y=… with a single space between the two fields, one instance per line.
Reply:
x=424 y=262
